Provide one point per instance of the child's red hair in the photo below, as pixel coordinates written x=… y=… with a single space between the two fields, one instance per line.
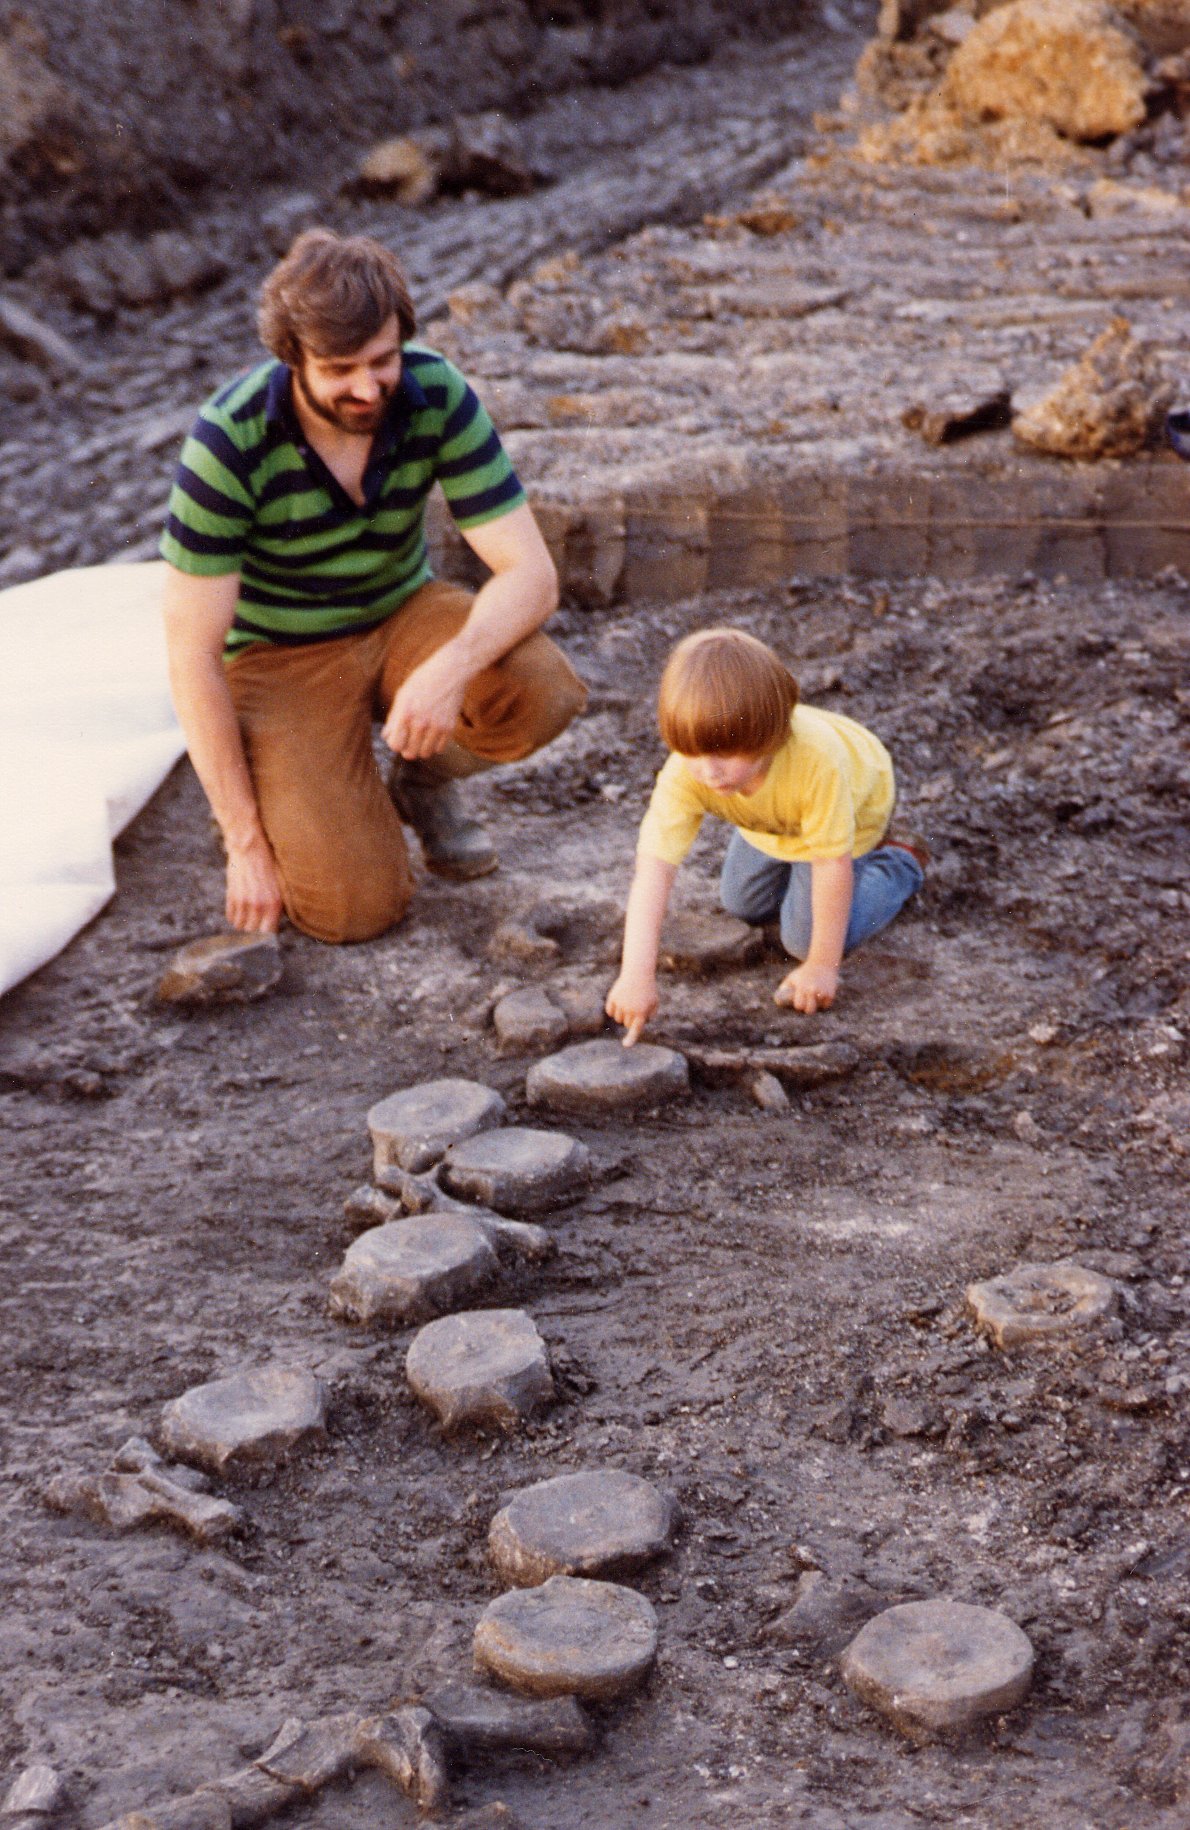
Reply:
x=725 y=693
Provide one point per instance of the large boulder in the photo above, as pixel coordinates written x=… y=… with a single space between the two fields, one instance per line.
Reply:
x=1070 y=63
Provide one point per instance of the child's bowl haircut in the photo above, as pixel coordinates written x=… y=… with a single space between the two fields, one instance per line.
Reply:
x=724 y=693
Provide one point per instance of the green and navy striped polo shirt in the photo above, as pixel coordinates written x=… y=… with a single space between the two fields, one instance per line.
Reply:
x=251 y=496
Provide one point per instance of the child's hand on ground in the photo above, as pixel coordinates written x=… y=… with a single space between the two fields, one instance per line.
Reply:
x=632 y=1001
x=808 y=988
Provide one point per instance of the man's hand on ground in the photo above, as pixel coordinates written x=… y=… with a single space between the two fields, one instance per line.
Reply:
x=423 y=716
x=253 y=888
x=808 y=988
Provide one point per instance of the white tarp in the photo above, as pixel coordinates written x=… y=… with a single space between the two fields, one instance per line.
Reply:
x=87 y=731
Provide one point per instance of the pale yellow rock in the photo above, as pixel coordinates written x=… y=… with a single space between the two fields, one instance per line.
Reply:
x=400 y=169
x=1109 y=404
x=1070 y=63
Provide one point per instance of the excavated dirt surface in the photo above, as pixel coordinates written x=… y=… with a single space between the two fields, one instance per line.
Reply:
x=747 y=1307
x=762 y=1312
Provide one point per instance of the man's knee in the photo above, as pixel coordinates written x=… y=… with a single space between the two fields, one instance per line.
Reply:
x=344 y=913
x=530 y=699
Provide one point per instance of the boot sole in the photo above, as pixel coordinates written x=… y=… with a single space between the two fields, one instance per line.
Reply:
x=461 y=873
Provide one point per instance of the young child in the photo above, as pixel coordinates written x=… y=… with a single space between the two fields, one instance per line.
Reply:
x=809 y=793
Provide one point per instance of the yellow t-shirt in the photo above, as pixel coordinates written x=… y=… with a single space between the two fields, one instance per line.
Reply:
x=828 y=793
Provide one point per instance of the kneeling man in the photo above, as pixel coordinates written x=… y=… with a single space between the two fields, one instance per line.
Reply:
x=300 y=605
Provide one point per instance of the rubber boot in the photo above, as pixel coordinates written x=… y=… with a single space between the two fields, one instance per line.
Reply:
x=426 y=794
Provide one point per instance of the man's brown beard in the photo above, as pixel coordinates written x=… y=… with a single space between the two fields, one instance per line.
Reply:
x=359 y=422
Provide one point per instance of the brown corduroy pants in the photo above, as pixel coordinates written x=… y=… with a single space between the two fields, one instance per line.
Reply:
x=306 y=716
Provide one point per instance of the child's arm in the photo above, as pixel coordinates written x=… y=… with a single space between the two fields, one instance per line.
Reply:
x=812 y=985
x=632 y=1000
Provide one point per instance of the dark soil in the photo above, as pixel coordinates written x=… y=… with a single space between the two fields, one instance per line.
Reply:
x=764 y=1313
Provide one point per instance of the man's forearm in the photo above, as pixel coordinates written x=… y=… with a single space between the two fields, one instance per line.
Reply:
x=207 y=716
x=507 y=608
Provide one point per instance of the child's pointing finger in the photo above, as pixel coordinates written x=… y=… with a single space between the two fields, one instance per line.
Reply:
x=635 y=1030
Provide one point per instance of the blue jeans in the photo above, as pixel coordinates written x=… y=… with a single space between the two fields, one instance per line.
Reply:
x=758 y=888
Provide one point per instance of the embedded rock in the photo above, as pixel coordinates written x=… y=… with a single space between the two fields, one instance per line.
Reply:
x=477 y=1721
x=488 y=1366
x=412 y=1129
x=937 y=1667
x=693 y=941
x=1040 y=1302
x=1067 y=63
x=569 y=1637
x=35 y=342
x=960 y=411
x=604 y=1076
x=602 y=1522
x=308 y=1755
x=408 y=1747
x=517 y=1170
x=222 y=969
x=252 y=1420
x=581 y=1001
x=529 y=1019
x=126 y=1501
x=410 y=1270
x=1110 y=404
x=807 y=1066
x=366 y=1207
x=36 y=1792
x=768 y=1092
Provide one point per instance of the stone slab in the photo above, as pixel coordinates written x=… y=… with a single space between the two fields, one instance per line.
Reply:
x=603 y=1076
x=410 y=1270
x=602 y=1522
x=937 y=1667
x=699 y=942
x=517 y=1170
x=252 y=1420
x=1041 y=1302
x=222 y=969
x=570 y=1637
x=528 y=1019
x=411 y=1129
x=488 y=1366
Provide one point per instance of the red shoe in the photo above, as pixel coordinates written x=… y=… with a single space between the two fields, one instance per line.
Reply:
x=901 y=839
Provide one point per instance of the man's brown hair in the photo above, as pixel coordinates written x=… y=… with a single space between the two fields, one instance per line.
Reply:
x=725 y=693
x=330 y=295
